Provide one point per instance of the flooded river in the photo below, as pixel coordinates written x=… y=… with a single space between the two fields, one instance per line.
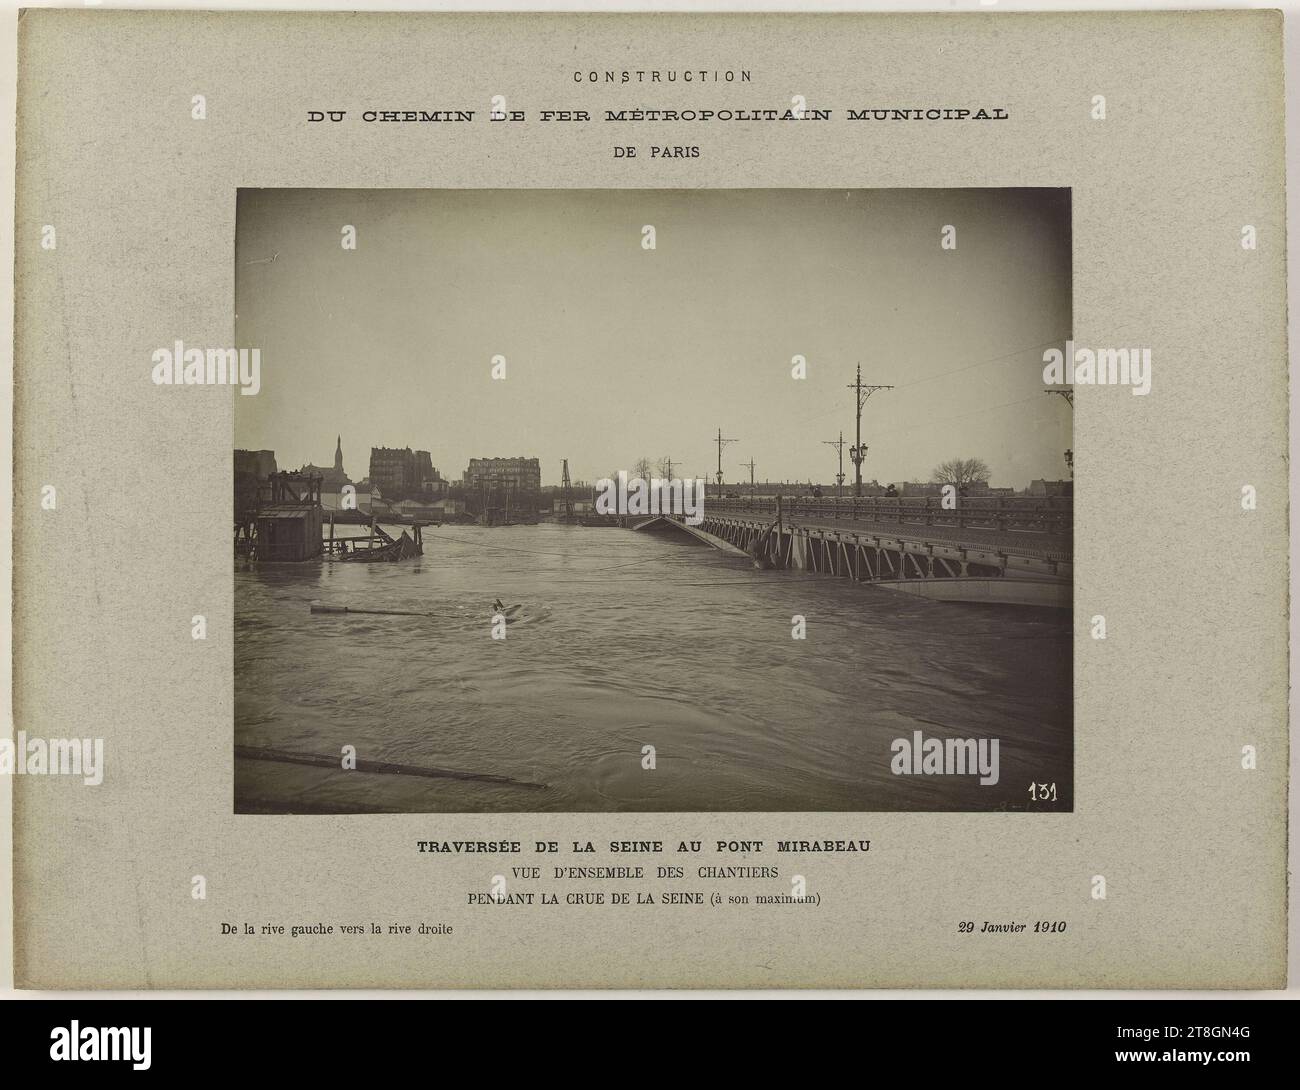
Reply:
x=626 y=640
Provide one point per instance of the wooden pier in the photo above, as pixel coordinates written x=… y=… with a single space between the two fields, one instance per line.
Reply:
x=376 y=547
x=284 y=521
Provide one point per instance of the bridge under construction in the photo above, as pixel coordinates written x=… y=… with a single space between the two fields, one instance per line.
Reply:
x=1007 y=550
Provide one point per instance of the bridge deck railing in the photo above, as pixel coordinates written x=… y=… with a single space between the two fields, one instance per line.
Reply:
x=1037 y=514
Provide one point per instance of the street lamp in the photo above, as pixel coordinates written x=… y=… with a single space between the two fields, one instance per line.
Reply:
x=858 y=455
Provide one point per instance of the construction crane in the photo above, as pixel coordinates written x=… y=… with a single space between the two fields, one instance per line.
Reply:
x=566 y=491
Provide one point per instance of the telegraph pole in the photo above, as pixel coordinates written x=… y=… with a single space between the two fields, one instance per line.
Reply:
x=858 y=452
x=838 y=444
x=721 y=443
x=668 y=467
x=750 y=465
x=1067 y=394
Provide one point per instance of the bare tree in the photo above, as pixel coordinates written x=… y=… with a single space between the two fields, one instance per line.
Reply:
x=961 y=471
x=643 y=469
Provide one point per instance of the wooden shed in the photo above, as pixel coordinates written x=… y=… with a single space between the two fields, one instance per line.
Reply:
x=288 y=531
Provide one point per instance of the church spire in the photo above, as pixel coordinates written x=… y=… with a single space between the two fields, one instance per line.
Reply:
x=338 y=455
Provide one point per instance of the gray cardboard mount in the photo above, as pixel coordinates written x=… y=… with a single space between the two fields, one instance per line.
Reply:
x=1191 y=845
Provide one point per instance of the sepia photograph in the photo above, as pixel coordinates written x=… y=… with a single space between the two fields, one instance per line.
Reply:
x=672 y=500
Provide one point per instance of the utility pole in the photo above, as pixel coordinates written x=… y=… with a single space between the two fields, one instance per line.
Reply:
x=858 y=452
x=1067 y=394
x=721 y=443
x=668 y=467
x=750 y=465
x=838 y=444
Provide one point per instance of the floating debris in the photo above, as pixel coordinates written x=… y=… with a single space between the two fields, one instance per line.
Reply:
x=387 y=768
x=321 y=607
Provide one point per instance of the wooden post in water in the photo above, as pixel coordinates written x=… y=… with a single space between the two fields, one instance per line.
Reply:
x=331 y=533
x=777 y=558
x=370 y=542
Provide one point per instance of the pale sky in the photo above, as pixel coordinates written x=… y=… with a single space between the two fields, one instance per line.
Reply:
x=614 y=352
